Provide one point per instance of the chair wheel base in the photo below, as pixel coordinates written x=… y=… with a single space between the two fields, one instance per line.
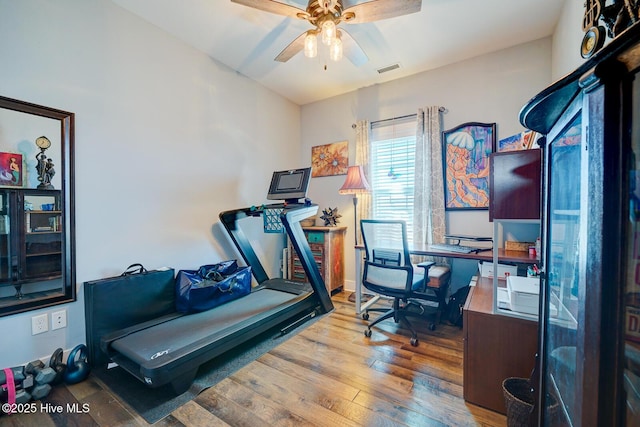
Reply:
x=414 y=342
x=432 y=327
x=365 y=316
x=367 y=333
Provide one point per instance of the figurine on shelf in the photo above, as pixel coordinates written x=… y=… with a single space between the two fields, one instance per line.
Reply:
x=44 y=167
x=49 y=172
x=330 y=217
x=45 y=170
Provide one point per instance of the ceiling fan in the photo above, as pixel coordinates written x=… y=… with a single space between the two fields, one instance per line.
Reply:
x=325 y=16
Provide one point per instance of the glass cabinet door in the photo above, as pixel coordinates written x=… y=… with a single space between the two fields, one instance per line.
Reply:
x=563 y=285
x=631 y=300
x=5 y=238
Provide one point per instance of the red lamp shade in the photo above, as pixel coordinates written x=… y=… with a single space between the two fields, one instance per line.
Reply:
x=355 y=182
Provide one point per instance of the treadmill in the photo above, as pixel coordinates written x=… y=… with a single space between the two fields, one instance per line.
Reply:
x=170 y=349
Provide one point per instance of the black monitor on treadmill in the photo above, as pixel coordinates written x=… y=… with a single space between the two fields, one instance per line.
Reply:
x=289 y=185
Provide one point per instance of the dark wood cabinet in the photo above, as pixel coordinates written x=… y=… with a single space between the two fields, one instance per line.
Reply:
x=327 y=246
x=589 y=340
x=31 y=244
x=515 y=185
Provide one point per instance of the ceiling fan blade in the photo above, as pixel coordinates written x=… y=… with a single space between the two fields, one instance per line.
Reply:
x=293 y=49
x=352 y=49
x=273 y=7
x=376 y=10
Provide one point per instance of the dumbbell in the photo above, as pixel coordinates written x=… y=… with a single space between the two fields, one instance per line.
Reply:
x=40 y=391
x=18 y=375
x=42 y=374
x=22 y=395
x=21 y=381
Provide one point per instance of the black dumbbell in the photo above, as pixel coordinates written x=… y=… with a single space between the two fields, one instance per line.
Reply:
x=43 y=374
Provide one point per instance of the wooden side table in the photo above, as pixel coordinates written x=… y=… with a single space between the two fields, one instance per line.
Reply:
x=327 y=246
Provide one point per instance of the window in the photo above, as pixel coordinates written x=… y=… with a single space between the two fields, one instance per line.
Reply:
x=392 y=157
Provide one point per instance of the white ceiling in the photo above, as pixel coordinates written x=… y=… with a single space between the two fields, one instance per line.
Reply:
x=443 y=32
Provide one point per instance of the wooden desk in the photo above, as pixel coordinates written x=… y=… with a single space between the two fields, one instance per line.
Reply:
x=495 y=347
x=503 y=256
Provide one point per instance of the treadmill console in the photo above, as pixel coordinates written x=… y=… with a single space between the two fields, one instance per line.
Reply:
x=289 y=185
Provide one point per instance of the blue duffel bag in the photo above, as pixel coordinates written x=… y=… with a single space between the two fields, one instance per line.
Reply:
x=211 y=285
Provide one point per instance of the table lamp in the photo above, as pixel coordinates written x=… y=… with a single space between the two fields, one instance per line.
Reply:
x=355 y=183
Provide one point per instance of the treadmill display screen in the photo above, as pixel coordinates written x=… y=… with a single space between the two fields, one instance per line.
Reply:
x=289 y=185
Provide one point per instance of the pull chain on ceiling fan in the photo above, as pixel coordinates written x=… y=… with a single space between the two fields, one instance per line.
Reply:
x=325 y=16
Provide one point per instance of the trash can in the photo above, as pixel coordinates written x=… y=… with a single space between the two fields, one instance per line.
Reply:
x=519 y=400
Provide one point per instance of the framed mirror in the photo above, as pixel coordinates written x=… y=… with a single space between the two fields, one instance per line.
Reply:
x=37 y=226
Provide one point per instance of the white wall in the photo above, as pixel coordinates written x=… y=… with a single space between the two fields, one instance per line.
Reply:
x=166 y=138
x=491 y=88
x=567 y=39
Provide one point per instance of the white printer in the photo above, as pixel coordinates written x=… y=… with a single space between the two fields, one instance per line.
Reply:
x=524 y=293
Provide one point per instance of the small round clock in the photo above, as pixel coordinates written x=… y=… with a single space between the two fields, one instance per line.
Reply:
x=592 y=42
x=43 y=142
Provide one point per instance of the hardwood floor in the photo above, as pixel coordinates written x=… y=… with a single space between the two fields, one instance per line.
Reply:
x=327 y=375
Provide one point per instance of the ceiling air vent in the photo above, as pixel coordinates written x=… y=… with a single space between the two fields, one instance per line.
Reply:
x=388 y=68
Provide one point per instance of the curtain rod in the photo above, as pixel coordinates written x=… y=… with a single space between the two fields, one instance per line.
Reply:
x=441 y=109
x=393 y=118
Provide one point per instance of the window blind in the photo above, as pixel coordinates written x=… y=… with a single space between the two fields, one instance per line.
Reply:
x=392 y=169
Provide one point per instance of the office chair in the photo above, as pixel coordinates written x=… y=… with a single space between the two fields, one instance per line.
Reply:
x=388 y=271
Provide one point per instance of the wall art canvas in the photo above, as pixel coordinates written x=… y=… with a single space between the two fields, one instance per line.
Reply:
x=466 y=150
x=11 y=169
x=521 y=141
x=330 y=159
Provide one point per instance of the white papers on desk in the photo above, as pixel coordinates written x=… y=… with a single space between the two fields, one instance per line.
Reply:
x=473 y=281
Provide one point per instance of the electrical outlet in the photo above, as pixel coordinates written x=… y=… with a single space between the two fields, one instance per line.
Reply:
x=58 y=320
x=39 y=324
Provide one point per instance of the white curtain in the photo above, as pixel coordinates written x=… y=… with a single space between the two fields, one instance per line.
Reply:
x=428 y=211
x=362 y=159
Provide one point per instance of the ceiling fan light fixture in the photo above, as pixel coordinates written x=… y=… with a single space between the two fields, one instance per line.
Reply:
x=328 y=32
x=335 y=50
x=311 y=45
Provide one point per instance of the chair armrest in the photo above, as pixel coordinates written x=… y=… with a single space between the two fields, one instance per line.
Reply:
x=426 y=265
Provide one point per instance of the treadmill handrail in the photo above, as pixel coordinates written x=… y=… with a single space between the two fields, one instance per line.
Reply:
x=229 y=220
x=291 y=220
